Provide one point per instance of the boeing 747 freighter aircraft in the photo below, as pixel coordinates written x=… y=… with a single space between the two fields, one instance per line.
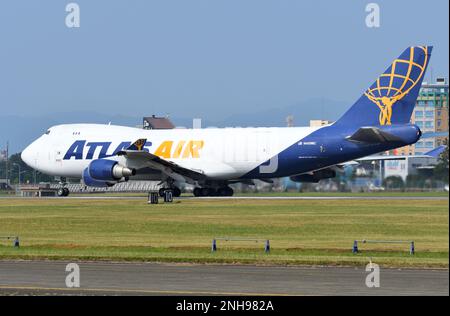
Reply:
x=212 y=159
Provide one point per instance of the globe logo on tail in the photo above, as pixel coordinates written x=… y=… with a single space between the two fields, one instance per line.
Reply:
x=403 y=75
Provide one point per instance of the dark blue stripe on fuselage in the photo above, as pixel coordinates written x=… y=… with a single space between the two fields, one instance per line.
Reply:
x=328 y=146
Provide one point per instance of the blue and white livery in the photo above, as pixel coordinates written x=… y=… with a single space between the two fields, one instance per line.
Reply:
x=211 y=159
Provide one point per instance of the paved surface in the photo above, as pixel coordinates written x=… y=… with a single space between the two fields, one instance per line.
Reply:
x=100 y=197
x=328 y=198
x=48 y=278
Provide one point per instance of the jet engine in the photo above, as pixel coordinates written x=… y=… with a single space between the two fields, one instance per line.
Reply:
x=92 y=182
x=108 y=170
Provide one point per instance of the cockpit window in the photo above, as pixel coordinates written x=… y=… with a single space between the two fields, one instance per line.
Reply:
x=47 y=132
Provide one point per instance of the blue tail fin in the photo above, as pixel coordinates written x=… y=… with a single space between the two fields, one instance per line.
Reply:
x=392 y=97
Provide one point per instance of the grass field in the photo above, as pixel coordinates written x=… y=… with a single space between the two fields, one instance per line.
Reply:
x=300 y=231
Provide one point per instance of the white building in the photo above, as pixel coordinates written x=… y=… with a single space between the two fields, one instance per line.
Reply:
x=319 y=123
x=408 y=166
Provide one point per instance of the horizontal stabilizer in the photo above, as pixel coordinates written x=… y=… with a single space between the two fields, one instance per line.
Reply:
x=436 y=151
x=434 y=134
x=372 y=135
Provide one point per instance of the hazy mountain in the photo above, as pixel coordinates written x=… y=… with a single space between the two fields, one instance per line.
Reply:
x=303 y=112
x=21 y=130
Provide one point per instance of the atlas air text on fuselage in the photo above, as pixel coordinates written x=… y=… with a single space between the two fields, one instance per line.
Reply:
x=183 y=149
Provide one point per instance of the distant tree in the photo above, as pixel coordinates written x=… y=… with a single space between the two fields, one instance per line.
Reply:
x=415 y=181
x=394 y=182
x=27 y=174
x=441 y=170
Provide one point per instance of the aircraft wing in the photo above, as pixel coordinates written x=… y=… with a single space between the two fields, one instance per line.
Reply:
x=173 y=170
x=434 y=134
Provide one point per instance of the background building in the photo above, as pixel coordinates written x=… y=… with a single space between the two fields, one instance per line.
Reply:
x=431 y=115
x=319 y=123
x=409 y=166
x=154 y=122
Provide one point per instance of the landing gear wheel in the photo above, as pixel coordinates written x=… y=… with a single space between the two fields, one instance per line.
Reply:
x=62 y=192
x=222 y=191
x=205 y=191
x=209 y=191
x=176 y=192
x=197 y=192
x=225 y=191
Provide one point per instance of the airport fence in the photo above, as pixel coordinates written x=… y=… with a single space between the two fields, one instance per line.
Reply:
x=15 y=239
x=132 y=186
x=412 y=250
x=256 y=240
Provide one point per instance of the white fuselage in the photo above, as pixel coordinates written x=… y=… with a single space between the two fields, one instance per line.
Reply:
x=218 y=153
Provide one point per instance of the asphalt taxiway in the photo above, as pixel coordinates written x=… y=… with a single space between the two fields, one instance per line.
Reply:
x=109 y=278
x=103 y=197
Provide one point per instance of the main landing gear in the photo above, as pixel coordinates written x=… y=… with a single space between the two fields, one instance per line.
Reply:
x=209 y=191
x=176 y=192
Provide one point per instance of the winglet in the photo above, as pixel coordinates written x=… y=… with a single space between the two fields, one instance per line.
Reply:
x=138 y=145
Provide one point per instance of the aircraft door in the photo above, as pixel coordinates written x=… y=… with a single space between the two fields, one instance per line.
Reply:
x=58 y=157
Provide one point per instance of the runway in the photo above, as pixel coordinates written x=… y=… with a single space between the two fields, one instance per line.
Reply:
x=327 y=198
x=102 y=197
x=104 y=278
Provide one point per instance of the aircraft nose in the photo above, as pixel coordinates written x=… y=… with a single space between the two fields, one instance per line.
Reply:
x=28 y=156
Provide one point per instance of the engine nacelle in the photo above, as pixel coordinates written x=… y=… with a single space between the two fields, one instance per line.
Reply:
x=315 y=177
x=108 y=170
x=87 y=179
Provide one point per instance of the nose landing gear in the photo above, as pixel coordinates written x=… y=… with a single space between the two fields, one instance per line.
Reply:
x=63 y=192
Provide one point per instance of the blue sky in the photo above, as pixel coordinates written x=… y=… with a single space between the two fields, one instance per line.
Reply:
x=203 y=58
